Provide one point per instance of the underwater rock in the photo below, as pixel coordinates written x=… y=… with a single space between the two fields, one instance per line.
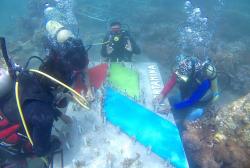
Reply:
x=221 y=140
x=246 y=107
x=198 y=148
x=232 y=60
x=231 y=155
x=234 y=120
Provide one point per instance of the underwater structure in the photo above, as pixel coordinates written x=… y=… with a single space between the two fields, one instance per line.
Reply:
x=122 y=129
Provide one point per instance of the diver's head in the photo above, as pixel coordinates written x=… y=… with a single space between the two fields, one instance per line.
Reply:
x=115 y=27
x=184 y=70
x=5 y=82
x=115 y=31
x=76 y=54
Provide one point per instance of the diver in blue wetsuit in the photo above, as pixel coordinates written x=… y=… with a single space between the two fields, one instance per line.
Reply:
x=197 y=82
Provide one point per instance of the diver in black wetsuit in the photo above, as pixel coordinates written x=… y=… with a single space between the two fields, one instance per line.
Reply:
x=39 y=110
x=118 y=45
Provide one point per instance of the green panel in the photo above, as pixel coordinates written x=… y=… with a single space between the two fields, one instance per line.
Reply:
x=124 y=79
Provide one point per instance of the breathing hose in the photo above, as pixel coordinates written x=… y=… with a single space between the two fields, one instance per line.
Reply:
x=82 y=101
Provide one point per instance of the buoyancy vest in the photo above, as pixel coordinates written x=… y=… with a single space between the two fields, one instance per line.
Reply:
x=12 y=142
x=8 y=132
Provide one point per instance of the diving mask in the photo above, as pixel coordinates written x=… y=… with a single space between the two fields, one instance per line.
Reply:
x=116 y=29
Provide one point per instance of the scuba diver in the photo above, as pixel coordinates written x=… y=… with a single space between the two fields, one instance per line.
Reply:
x=39 y=111
x=29 y=99
x=118 y=45
x=67 y=59
x=197 y=83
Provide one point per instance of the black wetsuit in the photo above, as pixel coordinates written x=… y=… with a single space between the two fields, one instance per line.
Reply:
x=119 y=53
x=38 y=110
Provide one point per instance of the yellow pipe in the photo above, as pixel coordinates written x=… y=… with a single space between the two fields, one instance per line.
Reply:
x=81 y=103
x=85 y=104
x=21 y=113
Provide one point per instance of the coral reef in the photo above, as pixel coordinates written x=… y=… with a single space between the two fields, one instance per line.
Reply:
x=231 y=155
x=222 y=140
x=198 y=147
x=232 y=58
x=234 y=120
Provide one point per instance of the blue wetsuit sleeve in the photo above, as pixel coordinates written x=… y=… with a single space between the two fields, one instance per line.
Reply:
x=195 y=97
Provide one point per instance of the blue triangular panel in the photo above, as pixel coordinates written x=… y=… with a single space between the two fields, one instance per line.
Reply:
x=148 y=128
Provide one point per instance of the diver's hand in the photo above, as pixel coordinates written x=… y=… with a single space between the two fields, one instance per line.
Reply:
x=66 y=119
x=128 y=46
x=62 y=99
x=164 y=109
x=55 y=144
x=109 y=49
x=158 y=100
x=89 y=95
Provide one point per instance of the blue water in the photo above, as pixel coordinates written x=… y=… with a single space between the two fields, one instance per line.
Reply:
x=10 y=13
x=148 y=128
x=167 y=14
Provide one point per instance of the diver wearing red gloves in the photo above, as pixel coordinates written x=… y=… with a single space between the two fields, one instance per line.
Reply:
x=197 y=83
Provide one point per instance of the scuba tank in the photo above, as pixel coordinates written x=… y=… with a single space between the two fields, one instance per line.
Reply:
x=55 y=29
x=210 y=71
